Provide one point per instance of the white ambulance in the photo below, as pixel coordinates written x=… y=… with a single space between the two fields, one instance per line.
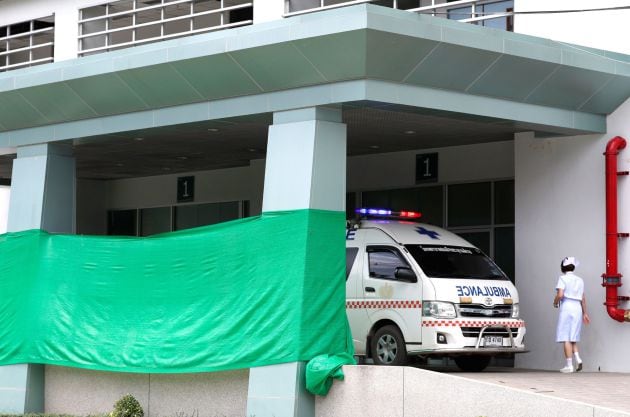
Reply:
x=414 y=289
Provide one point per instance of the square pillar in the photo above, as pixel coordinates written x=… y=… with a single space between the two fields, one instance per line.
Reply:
x=305 y=168
x=43 y=187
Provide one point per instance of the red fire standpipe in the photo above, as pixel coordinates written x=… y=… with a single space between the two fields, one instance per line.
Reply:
x=612 y=277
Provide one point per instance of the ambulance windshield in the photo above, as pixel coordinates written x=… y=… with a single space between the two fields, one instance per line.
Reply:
x=438 y=261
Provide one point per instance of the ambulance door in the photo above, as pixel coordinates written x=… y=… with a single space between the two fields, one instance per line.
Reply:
x=355 y=309
x=392 y=290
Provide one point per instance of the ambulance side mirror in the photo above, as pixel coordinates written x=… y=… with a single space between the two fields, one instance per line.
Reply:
x=405 y=274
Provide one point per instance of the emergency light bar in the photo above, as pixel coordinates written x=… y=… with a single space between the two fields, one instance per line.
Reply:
x=388 y=213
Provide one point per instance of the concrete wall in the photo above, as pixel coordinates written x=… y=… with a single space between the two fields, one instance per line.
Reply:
x=5 y=193
x=560 y=211
x=603 y=29
x=466 y=163
x=83 y=392
x=366 y=391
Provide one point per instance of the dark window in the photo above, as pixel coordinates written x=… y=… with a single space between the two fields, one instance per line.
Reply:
x=350 y=205
x=196 y=215
x=426 y=200
x=454 y=262
x=480 y=239
x=155 y=220
x=351 y=256
x=504 y=249
x=241 y=15
x=469 y=204
x=121 y=222
x=384 y=261
x=504 y=202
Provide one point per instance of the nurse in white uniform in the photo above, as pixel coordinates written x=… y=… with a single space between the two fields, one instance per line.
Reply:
x=570 y=298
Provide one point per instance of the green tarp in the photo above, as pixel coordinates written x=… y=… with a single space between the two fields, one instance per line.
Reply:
x=252 y=292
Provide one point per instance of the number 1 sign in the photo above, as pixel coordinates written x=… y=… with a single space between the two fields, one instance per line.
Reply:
x=426 y=167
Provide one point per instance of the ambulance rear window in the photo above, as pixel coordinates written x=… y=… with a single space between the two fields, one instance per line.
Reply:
x=439 y=261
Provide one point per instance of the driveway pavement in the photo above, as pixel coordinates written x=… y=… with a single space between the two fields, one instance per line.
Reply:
x=604 y=389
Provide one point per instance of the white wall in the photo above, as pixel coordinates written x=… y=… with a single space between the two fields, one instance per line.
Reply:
x=480 y=162
x=5 y=193
x=560 y=211
x=603 y=30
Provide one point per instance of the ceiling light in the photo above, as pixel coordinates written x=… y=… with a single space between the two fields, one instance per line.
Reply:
x=409 y=132
x=166 y=169
x=374 y=147
x=119 y=164
x=138 y=139
x=182 y=158
x=213 y=129
x=252 y=150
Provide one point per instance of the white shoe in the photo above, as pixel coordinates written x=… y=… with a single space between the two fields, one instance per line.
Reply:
x=566 y=369
x=579 y=367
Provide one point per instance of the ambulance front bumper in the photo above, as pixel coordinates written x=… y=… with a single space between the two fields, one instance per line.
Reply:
x=494 y=351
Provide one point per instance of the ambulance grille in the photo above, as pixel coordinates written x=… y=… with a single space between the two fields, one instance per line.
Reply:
x=479 y=310
x=492 y=331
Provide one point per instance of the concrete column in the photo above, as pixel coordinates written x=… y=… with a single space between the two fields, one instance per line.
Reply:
x=305 y=168
x=66 y=30
x=42 y=196
x=267 y=10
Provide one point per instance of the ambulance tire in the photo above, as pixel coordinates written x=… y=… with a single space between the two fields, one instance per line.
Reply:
x=388 y=347
x=472 y=363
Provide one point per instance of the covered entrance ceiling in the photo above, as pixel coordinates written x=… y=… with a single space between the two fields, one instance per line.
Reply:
x=372 y=128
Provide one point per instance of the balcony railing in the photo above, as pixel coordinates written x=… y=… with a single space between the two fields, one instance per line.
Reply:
x=126 y=23
x=491 y=13
x=27 y=43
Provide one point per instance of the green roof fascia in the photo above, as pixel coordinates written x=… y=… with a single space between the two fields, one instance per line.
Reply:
x=453 y=104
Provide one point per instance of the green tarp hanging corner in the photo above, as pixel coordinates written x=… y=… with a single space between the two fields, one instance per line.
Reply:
x=252 y=292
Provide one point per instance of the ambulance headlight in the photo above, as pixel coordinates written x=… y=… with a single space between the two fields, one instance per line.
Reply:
x=515 y=311
x=439 y=309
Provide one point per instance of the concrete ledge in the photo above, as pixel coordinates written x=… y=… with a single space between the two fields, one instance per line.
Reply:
x=410 y=392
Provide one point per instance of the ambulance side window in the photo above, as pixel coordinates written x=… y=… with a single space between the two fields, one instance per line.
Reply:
x=383 y=262
x=351 y=256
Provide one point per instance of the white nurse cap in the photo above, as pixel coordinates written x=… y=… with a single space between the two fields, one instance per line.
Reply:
x=570 y=260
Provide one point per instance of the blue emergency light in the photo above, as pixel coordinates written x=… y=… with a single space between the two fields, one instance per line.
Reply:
x=388 y=213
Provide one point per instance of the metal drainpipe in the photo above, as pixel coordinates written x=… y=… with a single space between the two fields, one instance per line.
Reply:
x=612 y=278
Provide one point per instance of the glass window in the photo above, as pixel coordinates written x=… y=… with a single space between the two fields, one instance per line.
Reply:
x=297 y=5
x=196 y=215
x=121 y=222
x=480 y=239
x=384 y=261
x=375 y=199
x=155 y=220
x=504 y=23
x=504 y=202
x=459 y=13
x=469 y=204
x=454 y=262
x=240 y=15
x=351 y=205
x=504 y=249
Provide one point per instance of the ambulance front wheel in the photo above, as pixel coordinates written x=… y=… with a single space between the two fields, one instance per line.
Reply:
x=388 y=347
x=472 y=363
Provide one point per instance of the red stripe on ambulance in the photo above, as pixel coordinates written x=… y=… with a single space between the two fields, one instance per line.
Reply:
x=384 y=304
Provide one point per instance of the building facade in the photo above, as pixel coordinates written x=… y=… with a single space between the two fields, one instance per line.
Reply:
x=138 y=117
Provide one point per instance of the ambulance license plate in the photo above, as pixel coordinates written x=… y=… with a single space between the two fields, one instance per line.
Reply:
x=493 y=341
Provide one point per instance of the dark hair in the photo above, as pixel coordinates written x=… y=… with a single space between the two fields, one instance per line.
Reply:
x=566 y=268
